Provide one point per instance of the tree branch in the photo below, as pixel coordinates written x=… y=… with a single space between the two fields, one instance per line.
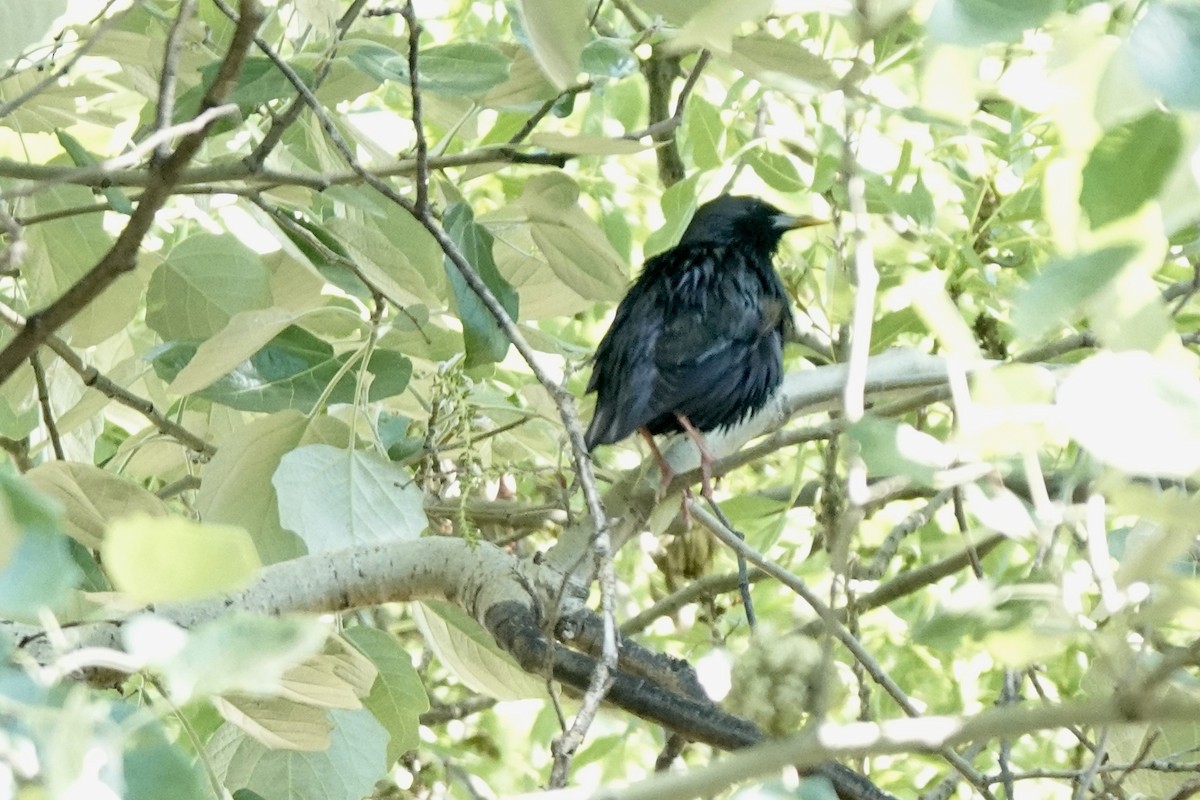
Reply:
x=122 y=256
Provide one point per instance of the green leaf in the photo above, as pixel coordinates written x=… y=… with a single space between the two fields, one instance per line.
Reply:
x=203 y=282
x=587 y=145
x=776 y=170
x=36 y=568
x=1129 y=166
x=971 y=23
x=380 y=62
x=468 y=651
x=1058 y=295
x=25 y=24
x=462 y=70
x=259 y=82
x=572 y=243
x=237 y=486
x=893 y=448
x=157 y=558
x=1135 y=413
x=678 y=205
x=246 y=334
x=61 y=251
x=150 y=762
x=91 y=497
x=704 y=133
x=485 y=342
x=398 y=698
x=347 y=770
x=781 y=63
x=291 y=371
x=1166 y=52
x=558 y=31
x=608 y=58
x=82 y=158
x=363 y=499
x=713 y=23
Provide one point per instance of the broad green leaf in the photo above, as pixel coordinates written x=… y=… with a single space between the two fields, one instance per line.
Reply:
x=239 y=652
x=975 y=22
x=237 y=489
x=587 y=145
x=379 y=61
x=363 y=499
x=1166 y=51
x=61 y=251
x=485 y=343
x=608 y=58
x=23 y=25
x=91 y=498
x=36 y=569
x=203 y=282
x=1059 y=294
x=291 y=371
x=259 y=82
x=347 y=770
x=526 y=84
x=781 y=63
x=153 y=559
x=277 y=723
x=893 y=448
x=83 y=158
x=714 y=22
x=776 y=170
x=246 y=333
x=678 y=205
x=469 y=652
x=465 y=69
x=398 y=697
x=704 y=133
x=391 y=260
x=1135 y=413
x=572 y=243
x=558 y=31
x=150 y=762
x=1128 y=167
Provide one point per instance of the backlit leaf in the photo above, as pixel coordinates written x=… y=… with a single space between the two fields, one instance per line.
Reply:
x=1128 y=167
x=1135 y=413
x=558 y=31
x=363 y=499
x=1058 y=295
x=157 y=558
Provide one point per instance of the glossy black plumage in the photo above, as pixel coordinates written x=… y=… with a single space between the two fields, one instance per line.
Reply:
x=700 y=333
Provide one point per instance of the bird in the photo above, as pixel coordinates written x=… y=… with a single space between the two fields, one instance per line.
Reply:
x=696 y=344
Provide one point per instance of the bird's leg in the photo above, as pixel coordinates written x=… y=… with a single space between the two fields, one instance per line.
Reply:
x=666 y=472
x=706 y=456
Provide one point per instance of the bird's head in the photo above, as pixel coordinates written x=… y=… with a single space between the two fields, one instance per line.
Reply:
x=734 y=219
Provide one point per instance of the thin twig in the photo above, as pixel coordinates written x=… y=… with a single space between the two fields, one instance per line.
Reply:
x=170 y=68
x=837 y=630
x=13 y=255
x=53 y=77
x=284 y=120
x=43 y=393
x=122 y=256
x=94 y=379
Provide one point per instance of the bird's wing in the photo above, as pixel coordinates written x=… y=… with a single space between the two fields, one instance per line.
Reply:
x=710 y=336
x=624 y=373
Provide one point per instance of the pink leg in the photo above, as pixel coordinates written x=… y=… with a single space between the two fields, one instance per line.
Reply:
x=665 y=470
x=706 y=456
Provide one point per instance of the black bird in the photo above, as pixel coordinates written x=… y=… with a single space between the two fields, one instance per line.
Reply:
x=697 y=343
